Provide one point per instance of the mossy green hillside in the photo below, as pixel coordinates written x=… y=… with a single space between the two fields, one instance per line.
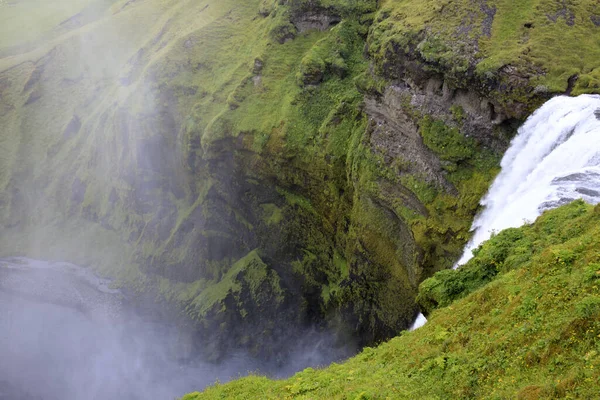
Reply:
x=308 y=137
x=248 y=134
x=196 y=134
x=306 y=151
x=529 y=330
x=214 y=138
x=318 y=150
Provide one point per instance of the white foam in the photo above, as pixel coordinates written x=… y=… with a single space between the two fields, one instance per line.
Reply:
x=554 y=159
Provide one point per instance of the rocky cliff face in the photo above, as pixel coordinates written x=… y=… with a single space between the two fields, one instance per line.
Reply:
x=270 y=164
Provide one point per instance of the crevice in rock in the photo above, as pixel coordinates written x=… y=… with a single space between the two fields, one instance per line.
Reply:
x=571 y=84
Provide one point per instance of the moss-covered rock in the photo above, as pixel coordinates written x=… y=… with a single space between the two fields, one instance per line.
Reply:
x=528 y=330
x=516 y=56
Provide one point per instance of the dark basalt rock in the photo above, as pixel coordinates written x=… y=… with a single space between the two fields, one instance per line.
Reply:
x=258 y=66
x=318 y=20
x=565 y=13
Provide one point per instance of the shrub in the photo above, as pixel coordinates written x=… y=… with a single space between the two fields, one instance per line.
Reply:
x=446 y=141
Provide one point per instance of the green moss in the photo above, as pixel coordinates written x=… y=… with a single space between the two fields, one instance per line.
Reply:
x=312 y=69
x=369 y=84
x=249 y=270
x=458 y=113
x=299 y=201
x=272 y=214
x=530 y=330
x=529 y=49
x=588 y=82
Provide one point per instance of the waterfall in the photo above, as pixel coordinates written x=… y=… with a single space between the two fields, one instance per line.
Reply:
x=419 y=322
x=553 y=160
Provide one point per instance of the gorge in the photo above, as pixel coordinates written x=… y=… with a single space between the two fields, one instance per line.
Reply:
x=265 y=174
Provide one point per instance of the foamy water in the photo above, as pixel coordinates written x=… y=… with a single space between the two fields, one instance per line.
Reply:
x=553 y=160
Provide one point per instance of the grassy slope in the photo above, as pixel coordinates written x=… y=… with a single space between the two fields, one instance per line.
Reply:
x=543 y=41
x=531 y=333
x=561 y=39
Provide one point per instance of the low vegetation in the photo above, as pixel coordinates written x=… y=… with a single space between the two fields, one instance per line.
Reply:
x=520 y=320
x=518 y=53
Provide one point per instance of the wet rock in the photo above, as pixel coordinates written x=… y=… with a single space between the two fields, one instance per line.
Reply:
x=490 y=13
x=74 y=22
x=34 y=78
x=563 y=12
x=284 y=33
x=396 y=136
x=33 y=97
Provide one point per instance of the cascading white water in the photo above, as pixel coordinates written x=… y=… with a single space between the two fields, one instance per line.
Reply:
x=553 y=160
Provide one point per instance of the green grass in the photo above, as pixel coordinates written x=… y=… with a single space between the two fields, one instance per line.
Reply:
x=530 y=331
x=554 y=47
x=546 y=41
x=249 y=269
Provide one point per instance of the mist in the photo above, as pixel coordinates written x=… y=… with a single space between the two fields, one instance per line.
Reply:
x=64 y=334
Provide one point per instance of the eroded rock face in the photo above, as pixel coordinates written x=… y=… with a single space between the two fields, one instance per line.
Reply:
x=479 y=117
x=311 y=15
x=315 y=19
x=395 y=134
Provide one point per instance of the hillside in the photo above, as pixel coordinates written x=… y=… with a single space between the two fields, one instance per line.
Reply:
x=520 y=320
x=268 y=166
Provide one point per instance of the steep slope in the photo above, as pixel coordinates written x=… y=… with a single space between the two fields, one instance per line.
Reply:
x=268 y=165
x=520 y=320
x=514 y=54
